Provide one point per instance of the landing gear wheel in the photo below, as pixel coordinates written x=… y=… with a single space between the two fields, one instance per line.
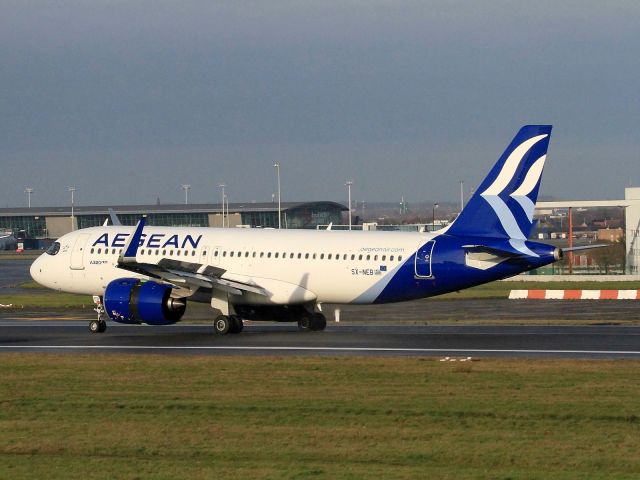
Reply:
x=305 y=324
x=97 y=326
x=236 y=324
x=319 y=322
x=222 y=325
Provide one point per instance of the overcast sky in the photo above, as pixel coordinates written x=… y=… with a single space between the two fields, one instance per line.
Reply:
x=127 y=100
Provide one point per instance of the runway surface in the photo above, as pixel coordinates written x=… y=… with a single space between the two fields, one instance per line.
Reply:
x=336 y=340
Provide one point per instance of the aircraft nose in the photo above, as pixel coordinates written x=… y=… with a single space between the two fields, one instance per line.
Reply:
x=36 y=270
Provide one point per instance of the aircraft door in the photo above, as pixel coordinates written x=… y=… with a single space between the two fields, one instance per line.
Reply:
x=423 y=260
x=77 y=254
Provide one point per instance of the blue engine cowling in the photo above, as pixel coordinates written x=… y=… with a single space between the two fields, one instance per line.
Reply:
x=129 y=300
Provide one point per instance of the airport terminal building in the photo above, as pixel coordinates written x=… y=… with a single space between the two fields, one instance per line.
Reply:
x=53 y=222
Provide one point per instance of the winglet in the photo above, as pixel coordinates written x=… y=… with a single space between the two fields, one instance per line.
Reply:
x=114 y=218
x=130 y=249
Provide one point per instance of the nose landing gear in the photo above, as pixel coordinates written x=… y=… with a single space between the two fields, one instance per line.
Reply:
x=99 y=325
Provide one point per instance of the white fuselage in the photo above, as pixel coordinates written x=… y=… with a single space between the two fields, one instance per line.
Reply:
x=293 y=266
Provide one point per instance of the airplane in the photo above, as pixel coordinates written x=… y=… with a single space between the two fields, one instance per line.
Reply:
x=147 y=274
x=7 y=240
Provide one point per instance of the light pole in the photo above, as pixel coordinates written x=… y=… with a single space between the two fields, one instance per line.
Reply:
x=277 y=165
x=222 y=186
x=433 y=217
x=72 y=189
x=28 y=191
x=348 y=185
x=186 y=193
x=225 y=201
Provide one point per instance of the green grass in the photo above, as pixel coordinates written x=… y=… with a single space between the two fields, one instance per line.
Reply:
x=103 y=416
x=39 y=298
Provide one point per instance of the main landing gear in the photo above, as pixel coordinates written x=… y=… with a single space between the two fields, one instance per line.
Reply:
x=228 y=324
x=312 y=322
x=309 y=322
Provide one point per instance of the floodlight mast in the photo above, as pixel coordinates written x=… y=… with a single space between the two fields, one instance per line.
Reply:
x=277 y=166
x=28 y=191
x=348 y=185
x=72 y=189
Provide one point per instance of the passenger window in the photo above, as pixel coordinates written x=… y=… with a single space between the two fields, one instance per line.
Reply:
x=360 y=257
x=231 y=254
x=269 y=255
x=239 y=254
x=391 y=258
x=375 y=257
x=246 y=254
x=277 y=253
x=299 y=256
x=353 y=257
x=322 y=256
x=178 y=253
x=314 y=256
x=92 y=250
x=261 y=254
x=291 y=256
x=171 y=253
x=164 y=252
x=99 y=250
x=141 y=252
x=384 y=257
x=306 y=256
x=368 y=257
x=254 y=255
x=399 y=258
x=344 y=257
x=329 y=257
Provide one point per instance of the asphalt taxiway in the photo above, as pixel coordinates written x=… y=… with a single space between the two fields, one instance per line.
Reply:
x=337 y=340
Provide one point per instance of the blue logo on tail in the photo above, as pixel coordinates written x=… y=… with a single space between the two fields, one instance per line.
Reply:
x=503 y=205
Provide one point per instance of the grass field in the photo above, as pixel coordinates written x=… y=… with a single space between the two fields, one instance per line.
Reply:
x=37 y=297
x=133 y=417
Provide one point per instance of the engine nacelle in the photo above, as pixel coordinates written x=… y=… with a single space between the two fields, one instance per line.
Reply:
x=129 y=300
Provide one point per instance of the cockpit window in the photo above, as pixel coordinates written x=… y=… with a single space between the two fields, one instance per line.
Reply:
x=54 y=248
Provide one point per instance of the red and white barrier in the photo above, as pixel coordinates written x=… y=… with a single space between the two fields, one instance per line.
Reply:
x=574 y=295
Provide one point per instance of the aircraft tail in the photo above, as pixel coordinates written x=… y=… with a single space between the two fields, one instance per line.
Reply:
x=502 y=207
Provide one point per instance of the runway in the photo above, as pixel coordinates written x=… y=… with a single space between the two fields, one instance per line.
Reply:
x=336 y=340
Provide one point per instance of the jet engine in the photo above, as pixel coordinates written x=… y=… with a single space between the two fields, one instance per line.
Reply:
x=130 y=300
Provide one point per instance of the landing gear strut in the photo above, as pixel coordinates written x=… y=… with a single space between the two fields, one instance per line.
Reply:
x=99 y=325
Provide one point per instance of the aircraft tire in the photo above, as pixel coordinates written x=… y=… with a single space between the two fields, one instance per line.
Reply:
x=305 y=323
x=236 y=324
x=97 y=326
x=222 y=325
x=319 y=322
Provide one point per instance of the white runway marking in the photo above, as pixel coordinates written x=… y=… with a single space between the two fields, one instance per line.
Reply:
x=318 y=349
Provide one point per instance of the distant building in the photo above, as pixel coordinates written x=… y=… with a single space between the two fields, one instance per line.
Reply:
x=53 y=222
x=610 y=234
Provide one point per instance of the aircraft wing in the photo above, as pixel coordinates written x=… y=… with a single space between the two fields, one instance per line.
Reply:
x=181 y=274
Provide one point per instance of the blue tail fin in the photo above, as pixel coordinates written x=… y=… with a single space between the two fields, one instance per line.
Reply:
x=502 y=207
